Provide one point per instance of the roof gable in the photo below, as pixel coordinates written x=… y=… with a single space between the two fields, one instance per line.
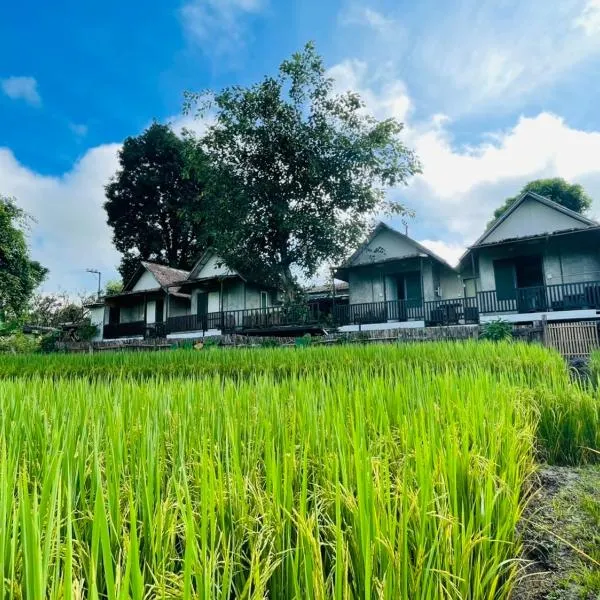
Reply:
x=384 y=244
x=151 y=276
x=209 y=265
x=533 y=215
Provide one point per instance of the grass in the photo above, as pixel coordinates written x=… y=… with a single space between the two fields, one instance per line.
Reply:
x=347 y=472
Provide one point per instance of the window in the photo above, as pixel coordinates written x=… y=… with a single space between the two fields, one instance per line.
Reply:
x=264 y=299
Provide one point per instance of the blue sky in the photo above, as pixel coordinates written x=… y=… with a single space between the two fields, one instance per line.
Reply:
x=493 y=94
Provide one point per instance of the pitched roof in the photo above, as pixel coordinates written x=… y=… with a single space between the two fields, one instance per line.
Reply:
x=515 y=205
x=202 y=262
x=164 y=275
x=383 y=227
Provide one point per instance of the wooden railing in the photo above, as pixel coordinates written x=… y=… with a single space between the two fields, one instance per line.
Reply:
x=185 y=323
x=113 y=331
x=557 y=297
x=378 y=312
x=452 y=311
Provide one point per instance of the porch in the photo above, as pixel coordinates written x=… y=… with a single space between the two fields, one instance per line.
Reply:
x=583 y=295
x=274 y=320
x=309 y=318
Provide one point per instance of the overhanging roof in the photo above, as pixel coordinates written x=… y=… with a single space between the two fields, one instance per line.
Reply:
x=421 y=251
x=589 y=224
x=165 y=276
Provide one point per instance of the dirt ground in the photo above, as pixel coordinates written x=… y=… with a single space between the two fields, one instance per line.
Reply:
x=561 y=532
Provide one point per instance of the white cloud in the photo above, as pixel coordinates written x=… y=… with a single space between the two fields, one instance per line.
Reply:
x=70 y=234
x=449 y=252
x=589 y=19
x=460 y=187
x=217 y=25
x=384 y=96
x=466 y=56
x=22 y=88
x=482 y=54
x=366 y=16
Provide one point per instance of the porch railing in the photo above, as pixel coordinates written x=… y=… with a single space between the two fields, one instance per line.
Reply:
x=557 y=297
x=186 y=323
x=120 y=330
x=378 y=312
x=452 y=311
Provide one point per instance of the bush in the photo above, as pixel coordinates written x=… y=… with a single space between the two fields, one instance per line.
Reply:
x=48 y=342
x=19 y=343
x=497 y=331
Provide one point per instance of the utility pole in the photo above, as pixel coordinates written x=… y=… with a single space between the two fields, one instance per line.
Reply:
x=96 y=272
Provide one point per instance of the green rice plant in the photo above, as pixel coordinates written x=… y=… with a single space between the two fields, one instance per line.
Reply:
x=357 y=487
x=395 y=471
x=532 y=363
x=568 y=429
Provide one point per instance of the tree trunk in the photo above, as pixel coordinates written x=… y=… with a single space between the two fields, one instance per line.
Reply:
x=288 y=283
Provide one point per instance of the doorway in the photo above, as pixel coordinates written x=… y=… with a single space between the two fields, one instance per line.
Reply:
x=521 y=280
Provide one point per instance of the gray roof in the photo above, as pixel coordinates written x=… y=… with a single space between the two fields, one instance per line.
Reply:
x=165 y=275
x=383 y=227
x=589 y=223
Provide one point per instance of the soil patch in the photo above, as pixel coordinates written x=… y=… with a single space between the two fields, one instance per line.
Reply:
x=561 y=534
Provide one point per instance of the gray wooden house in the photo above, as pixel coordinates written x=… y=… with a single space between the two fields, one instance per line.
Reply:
x=393 y=279
x=538 y=259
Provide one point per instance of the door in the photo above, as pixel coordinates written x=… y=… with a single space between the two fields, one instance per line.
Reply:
x=159 y=308
x=113 y=315
x=202 y=310
x=412 y=281
x=504 y=275
x=264 y=299
x=413 y=293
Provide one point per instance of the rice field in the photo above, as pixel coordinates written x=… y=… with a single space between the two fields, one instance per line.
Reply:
x=396 y=472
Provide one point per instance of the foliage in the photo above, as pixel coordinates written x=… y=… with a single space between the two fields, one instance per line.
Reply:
x=151 y=201
x=113 y=287
x=497 y=331
x=19 y=275
x=19 y=343
x=297 y=170
x=48 y=341
x=572 y=196
x=53 y=310
x=86 y=331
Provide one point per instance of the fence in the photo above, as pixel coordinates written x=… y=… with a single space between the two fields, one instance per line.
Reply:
x=574 y=339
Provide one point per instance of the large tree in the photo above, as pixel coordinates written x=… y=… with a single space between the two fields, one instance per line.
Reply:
x=150 y=200
x=19 y=275
x=298 y=170
x=570 y=195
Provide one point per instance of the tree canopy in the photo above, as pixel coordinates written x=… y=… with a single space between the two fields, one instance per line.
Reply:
x=19 y=275
x=570 y=195
x=297 y=170
x=150 y=200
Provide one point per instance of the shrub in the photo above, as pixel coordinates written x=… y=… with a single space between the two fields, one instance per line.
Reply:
x=497 y=331
x=19 y=343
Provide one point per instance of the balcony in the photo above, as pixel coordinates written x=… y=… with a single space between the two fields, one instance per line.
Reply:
x=114 y=331
x=559 y=297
